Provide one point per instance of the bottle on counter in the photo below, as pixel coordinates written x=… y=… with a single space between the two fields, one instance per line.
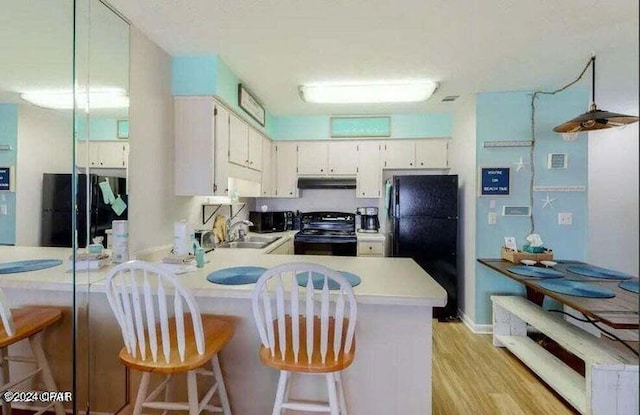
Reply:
x=120 y=245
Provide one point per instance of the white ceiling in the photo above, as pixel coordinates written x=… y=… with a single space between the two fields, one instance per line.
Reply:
x=466 y=45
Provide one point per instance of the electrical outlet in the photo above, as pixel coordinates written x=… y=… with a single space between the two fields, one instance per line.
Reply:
x=565 y=218
x=493 y=218
x=3 y=210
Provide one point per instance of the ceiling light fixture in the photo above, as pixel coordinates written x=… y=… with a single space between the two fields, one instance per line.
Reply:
x=63 y=99
x=368 y=93
x=595 y=119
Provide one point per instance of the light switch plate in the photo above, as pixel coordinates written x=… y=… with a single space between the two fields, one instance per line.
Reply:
x=493 y=218
x=565 y=218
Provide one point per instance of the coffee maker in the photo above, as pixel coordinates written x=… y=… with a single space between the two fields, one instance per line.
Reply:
x=368 y=219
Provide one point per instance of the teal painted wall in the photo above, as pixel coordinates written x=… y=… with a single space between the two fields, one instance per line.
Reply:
x=100 y=128
x=506 y=117
x=402 y=126
x=8 y=135
x=193 y=75
x=210 y=75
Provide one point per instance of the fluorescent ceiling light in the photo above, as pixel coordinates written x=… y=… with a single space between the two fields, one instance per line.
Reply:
x=361 y=93
x=96 y=99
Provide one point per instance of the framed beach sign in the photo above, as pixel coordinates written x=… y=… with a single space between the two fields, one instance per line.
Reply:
x=250 y=105
x=494 y=181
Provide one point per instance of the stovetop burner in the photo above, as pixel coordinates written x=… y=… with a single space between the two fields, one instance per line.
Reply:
x=327 y=232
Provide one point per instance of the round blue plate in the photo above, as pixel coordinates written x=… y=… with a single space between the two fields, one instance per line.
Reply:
x=318 y=280
x=632 y=286
x=236 y=275
x=577 y=289
x=30 y=265
x=535 y=272
x=597 y=272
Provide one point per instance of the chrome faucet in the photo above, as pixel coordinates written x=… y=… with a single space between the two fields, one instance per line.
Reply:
x=241 y=232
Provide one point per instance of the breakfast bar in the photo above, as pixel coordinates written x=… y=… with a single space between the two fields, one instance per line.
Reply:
x=392 y=371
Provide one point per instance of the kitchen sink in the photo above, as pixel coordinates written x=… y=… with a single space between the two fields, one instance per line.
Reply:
x=251 y=242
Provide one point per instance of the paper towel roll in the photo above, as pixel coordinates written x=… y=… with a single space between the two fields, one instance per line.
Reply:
x=120 y=241
x=183 y=237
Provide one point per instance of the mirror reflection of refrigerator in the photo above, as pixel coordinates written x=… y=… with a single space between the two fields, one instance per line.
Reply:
x=58 y=208
x=425 y=228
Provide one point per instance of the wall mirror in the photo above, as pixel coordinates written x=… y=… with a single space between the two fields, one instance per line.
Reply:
x=63 y=130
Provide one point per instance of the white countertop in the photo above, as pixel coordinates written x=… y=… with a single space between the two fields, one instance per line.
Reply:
x=390 y=281
x=370 y=237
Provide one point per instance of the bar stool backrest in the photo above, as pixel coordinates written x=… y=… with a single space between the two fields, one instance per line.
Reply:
x=138 y=295
x=338 y=305
x=5 y=315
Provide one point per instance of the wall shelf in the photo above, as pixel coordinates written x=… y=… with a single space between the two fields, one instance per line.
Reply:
x=217 y=206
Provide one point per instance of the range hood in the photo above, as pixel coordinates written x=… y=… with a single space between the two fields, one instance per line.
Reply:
x=326 y=183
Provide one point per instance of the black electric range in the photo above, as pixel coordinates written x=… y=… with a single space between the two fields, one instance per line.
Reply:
x=326 y=233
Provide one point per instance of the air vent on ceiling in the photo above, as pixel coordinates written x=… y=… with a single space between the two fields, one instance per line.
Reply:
x=450 y=98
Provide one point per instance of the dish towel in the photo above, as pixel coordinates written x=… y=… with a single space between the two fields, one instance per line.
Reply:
x=387 y=197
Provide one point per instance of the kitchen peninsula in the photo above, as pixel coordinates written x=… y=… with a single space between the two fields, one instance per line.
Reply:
x=393 y=366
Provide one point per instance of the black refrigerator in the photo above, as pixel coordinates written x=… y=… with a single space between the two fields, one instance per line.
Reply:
x=58 y=207
x=424 y=227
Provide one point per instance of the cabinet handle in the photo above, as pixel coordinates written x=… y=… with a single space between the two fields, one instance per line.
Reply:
x=331 y=170
x=362 y=193
x=370 y=248
x=321 y=170
x=421 y=163
x=410 y=164
x=291 y=193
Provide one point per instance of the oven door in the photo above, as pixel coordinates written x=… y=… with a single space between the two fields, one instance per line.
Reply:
x=345 y=248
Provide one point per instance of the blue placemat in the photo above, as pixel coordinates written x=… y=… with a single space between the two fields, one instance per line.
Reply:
x=577 y=289
x=318 y=280
x=535 y=272
x=632 y=286
x=236 y=275
x=30 y=265
x=597 y=272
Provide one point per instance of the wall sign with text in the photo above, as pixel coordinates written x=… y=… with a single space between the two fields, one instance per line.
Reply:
x=495 y=181
x=6 y=179
x=250 y=105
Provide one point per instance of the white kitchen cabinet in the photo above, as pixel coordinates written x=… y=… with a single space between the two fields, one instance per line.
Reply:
x=286 y=175
x=342 y=158
x=268 y=169
x=399 y=154
x=254 y=156
x=238 y=141
x=103 y=154
x=286 y=248
x=369 y=176
x=201 y=147
x=312 y=159
x=371 y=248
x=432 y=153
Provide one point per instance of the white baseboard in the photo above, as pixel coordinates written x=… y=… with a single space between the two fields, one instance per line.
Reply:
x=475 y=328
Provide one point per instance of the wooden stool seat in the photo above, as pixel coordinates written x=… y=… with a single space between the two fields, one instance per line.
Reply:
x=28 y=321
x=217 y=333
x=289 y=363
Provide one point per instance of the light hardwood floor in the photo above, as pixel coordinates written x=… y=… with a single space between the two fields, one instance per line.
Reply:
x=470 y=376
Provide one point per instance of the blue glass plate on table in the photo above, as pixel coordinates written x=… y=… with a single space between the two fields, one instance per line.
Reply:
x=597 y=272
x=535 y=272
x=318 y=280
x=631 y=286
x=236 y=275
x=577 y=289
x=29 y=265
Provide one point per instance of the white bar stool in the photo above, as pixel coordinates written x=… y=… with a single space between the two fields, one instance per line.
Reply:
x=26 y=323
x=298 y=340
x=156 y=342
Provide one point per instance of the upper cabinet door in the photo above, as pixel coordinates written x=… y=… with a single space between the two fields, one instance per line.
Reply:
x=238 y=141
x=343 y=158
x=312 y=158
x=255 y=150
x=267 y=169
x=369 y=178
x=399 y=154
x=432 y=153
x=286 y=177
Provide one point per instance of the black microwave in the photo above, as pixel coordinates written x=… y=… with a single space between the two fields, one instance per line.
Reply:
x=265 y=222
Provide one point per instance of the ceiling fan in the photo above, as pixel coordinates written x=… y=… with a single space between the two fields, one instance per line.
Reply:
x=595 y=119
